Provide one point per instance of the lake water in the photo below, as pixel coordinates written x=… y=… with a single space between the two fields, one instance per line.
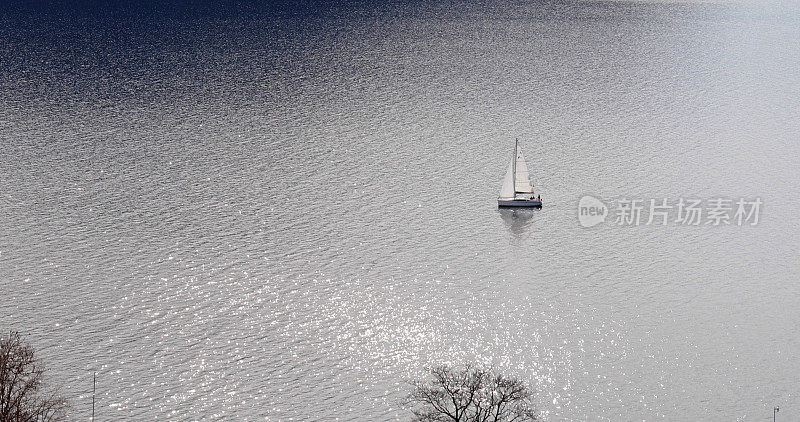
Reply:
x=289 y=212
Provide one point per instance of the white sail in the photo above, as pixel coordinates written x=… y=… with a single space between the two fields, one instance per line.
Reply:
x=517 y=181
x=523 y=177
x=507 y=191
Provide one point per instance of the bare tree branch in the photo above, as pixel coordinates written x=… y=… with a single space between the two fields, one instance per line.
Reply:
x=470 y=394
x=22 y=395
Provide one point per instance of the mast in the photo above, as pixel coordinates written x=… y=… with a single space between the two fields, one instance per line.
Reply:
x=514 y=168
x=94 y=389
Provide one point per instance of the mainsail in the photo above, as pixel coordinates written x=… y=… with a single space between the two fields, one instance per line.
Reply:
x=522 y=179
x=518 y=179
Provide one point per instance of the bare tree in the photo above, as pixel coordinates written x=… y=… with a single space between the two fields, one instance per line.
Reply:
x=23 y=393
x=470 y=394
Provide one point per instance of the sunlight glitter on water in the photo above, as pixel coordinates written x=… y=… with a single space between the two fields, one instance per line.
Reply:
x=291 y=215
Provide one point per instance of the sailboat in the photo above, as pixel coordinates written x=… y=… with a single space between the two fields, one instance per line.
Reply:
x=517 y=190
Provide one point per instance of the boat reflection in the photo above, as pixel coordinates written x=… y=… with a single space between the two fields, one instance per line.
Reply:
x=518 y=220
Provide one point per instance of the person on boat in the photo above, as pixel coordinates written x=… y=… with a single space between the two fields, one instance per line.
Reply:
x=540 y=197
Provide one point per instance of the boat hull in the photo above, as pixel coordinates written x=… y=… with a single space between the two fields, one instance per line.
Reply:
x=519 y=203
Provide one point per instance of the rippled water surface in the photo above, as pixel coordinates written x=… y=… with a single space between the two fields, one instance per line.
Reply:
x=289 y=212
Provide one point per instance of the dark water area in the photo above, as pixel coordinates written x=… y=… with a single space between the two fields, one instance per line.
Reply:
x=286 y=211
